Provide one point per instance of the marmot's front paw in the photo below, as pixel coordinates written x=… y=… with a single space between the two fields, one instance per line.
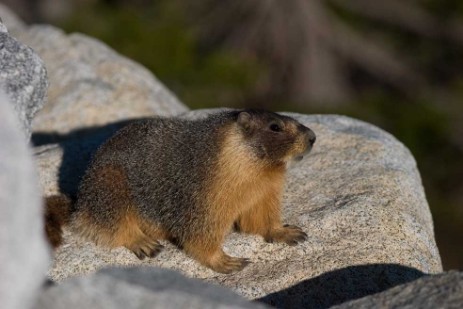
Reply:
x=290 y=234
x=228 y=264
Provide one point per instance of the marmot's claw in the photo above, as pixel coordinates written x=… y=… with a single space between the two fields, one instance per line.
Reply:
x=140 y=255
x=147 y=249
x=289 y=234
x=231 y=264
x=156 y=251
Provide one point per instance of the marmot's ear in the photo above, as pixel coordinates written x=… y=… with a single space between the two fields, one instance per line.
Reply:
x=244 y=120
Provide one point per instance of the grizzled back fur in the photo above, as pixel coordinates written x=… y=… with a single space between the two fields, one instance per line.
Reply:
x=166 y=163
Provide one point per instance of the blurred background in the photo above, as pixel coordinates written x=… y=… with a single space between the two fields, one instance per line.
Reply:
x=396 y=64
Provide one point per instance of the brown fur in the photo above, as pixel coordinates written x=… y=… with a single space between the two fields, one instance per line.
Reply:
x=57 y=213
x=140 y=188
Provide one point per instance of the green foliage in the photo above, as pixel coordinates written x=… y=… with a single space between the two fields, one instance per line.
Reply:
x=445 y=9
x=159 y=38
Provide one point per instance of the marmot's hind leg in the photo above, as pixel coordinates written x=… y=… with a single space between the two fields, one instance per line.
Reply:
x=145 y=242
x=107 y=215
x=130 y=234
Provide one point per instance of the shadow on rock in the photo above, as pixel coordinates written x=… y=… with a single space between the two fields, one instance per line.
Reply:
x=78 y=147
x=342 y=285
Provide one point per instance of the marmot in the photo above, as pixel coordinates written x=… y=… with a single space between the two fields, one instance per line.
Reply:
x=187 y=181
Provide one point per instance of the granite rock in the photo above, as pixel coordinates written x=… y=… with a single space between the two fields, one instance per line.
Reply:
x=358 y=195
x=439 y=291
x=24 y=255
x=22 y=77
x=143 y=287
x=92 y=85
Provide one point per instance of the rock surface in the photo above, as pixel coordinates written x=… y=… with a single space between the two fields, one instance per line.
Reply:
x=91 y=85
x=24 y=256
x=144 y=287
x=358 y=195
x=22 y=77
x=438 y=291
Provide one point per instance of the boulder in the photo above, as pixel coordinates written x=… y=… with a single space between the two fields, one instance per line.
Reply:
x=143 y=287
x=92 y=85
x=24 y=254
x=22 y=77
x=439 y=291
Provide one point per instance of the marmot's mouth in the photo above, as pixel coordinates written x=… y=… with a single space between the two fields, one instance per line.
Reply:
x=300 y=156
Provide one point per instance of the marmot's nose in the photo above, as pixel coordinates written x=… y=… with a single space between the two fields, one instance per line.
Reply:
x=312 y=137
x=310 y=134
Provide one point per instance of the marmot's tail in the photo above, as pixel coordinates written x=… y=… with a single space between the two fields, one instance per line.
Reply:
x=57 y=214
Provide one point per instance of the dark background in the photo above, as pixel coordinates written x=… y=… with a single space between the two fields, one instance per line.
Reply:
x=396 y=64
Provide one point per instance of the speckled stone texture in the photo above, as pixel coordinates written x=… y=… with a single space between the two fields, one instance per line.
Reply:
x=91 y=85
x=22 y=77
x=438 y=291
x=24 y=255
x=358 y=195
x=144 y=287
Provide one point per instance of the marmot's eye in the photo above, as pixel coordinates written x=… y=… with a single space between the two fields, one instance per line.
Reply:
x=275 y=128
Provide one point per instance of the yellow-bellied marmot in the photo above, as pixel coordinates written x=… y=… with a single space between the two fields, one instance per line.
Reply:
x=188 y=181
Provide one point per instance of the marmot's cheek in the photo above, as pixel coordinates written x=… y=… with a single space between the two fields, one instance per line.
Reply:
x=261 y=152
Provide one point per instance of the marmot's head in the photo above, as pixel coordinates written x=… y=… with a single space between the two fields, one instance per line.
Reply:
x=275 y=137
